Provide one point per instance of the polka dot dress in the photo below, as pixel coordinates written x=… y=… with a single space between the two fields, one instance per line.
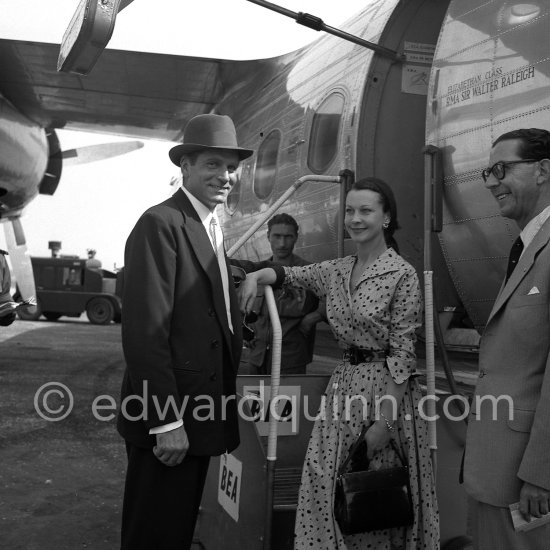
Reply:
x=381 y=313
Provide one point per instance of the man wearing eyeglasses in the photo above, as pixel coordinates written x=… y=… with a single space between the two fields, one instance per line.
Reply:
x=507 y=457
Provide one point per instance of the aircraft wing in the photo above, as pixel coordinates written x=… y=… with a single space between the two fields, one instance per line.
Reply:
x=130 y=93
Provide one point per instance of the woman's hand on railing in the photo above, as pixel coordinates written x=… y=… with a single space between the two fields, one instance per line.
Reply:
x=247 y=293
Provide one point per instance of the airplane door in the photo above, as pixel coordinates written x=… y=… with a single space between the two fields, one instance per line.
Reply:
x=391 y=132
x=491 y=75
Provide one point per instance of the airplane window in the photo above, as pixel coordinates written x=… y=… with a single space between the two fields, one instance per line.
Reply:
x=520 y=13
x=266 y=165
x=235 y=194
x=323 y=142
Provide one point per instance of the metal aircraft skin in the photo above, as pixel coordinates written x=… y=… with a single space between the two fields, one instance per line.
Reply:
x=329 y=106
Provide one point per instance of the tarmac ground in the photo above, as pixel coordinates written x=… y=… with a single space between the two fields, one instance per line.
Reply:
x=63 y=463
x=61 y=481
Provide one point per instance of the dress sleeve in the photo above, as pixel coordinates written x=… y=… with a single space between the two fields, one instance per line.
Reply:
x=314 y=277
x=405 y=318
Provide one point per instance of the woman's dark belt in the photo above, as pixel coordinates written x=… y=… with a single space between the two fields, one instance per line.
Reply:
x=354 y=356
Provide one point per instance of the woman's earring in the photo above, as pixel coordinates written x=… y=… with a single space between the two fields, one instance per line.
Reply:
x=386 y=224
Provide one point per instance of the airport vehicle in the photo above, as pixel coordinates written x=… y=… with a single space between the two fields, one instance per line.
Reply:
x=66 y=286
x=461 y=73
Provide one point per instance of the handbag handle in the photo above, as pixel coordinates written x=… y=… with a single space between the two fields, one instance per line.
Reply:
x=354 y=448
x=343 y=466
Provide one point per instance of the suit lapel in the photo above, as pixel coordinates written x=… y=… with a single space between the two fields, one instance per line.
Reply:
x=237 y=337
x=202 y=247
x=524 y=265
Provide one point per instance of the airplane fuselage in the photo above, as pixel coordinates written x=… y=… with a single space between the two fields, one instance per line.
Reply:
x=334 y=106
x=330 y=106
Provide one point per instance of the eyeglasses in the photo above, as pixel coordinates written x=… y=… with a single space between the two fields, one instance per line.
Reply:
x=499 y=168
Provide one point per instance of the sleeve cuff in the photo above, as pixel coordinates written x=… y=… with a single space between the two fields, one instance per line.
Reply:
x=166 y=427
x=280 y=274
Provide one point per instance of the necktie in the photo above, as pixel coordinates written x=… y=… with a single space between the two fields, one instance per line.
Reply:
x=216 y=236
x=213 y=224
x=515 y=253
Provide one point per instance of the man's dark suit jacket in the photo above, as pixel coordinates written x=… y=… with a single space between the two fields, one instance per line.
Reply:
x=175 y=333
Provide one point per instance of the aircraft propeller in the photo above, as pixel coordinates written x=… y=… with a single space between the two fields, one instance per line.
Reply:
x=16 y=243
x=101 y=151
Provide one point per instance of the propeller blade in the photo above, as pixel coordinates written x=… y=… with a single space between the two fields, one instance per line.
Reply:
x=101 y=151
x=20 y=260
x=175 y=181
x=123 y=4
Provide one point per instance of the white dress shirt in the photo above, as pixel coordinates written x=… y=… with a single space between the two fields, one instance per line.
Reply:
x=533 y=227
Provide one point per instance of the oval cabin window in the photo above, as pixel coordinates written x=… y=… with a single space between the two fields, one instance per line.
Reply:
x=234 y=197
x=323 y=140
x=266 y=165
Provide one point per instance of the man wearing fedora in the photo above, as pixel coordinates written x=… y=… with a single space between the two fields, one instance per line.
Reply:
x=181 y=335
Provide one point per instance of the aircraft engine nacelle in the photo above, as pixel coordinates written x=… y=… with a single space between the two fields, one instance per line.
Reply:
x=24 y=159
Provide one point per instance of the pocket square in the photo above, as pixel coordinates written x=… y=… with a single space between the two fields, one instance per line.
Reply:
x=534 y=290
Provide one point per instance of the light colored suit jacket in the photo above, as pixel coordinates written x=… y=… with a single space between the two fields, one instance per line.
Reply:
x=503 y=450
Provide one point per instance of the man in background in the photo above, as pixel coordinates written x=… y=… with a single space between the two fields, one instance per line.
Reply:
x=299 y=309
x=507 y=459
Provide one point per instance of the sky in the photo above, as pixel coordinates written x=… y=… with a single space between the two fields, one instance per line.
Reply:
x=97 y=204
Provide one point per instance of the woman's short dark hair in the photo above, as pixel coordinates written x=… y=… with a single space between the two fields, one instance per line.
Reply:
x=387 y=199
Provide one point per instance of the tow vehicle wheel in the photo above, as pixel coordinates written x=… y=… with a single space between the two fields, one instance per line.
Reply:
x=459 y=543
x=52 y=315
x=31 y=313
x=100 y=311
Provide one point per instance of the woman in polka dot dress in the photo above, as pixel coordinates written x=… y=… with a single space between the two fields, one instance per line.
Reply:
x=373 y=307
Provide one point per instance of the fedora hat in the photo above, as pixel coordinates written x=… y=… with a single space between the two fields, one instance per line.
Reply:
x=208 y=132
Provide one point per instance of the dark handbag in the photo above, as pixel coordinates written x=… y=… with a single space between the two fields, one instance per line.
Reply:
x=371 y=500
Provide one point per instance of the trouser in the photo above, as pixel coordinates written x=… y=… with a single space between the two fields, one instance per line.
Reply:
x=161 y=503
